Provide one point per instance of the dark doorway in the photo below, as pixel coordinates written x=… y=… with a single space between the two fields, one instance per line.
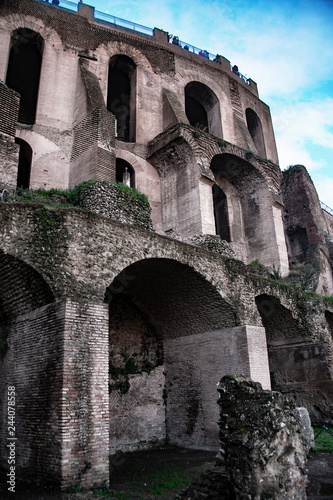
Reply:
x=23 y=74
x=255 y=129
x=202 y=108
x=221 y=213
x=121 y=96
x=196 y=113
x=121 y=166
x=24 y=165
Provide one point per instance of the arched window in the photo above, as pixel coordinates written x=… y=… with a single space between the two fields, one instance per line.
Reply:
x=123 y=167
x=121 y=96
x=23 y=73
x=202 y=108
x=255 y=129
x=24 y=165
x=221 y=213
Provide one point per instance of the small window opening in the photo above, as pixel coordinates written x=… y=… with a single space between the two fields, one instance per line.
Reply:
x=123 y=168
x=298 y=243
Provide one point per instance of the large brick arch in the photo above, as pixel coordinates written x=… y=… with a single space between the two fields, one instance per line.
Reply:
x=121 y=48
x=49 y=35
x=22 y=288
x=178 y=300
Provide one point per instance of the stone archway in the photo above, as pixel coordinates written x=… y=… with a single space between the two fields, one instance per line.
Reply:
x=256 y=132
x=202 y=108
x=172 y=336
x=298 y=363
x=254 y=216
x=30 y=329
x=24 y=69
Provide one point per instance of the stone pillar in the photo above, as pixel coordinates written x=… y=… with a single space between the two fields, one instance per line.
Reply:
x=206 y=205
x=85 y=395
x=281 y=259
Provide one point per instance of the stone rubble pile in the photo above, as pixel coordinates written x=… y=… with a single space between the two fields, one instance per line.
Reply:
x=264 y=443
x=108 y=200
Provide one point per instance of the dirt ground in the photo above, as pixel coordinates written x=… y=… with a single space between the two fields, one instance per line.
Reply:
x=162 y=474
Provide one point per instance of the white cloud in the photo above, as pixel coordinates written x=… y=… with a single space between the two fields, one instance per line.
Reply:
x=298 y=126
x=324 y=186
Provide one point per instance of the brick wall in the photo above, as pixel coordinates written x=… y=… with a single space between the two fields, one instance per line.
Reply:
x=9 y=151
x=9 y=106
x=33 y=364
x=194 y=365
x=57 y=359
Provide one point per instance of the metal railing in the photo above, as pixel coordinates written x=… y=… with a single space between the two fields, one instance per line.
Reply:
x=103 y=17
x=326 y=208
x=123 y=23
x=174 y=40
x=64 y=4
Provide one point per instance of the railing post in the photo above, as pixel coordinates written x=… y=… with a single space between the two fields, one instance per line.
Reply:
x=161 y=36
x=86 y=10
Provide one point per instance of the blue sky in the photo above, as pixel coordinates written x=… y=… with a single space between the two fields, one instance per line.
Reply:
x=285 y=46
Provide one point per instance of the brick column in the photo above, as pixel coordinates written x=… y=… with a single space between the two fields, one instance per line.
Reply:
x=85 y=395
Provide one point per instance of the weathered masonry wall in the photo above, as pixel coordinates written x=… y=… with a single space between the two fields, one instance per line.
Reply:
x=194 y=365
x=148 y=363
x=69 y=138
x=136 y=379
x=32 y=362
x=57 y=360
x=9 y=151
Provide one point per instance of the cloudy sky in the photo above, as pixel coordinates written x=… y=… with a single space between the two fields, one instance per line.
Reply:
x=286 y=46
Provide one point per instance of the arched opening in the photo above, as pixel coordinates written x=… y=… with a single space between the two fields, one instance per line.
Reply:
x=248 y=205
x=255 y=129
x=297 y=363
x=22 y=289
x=24 y=164
x=23 y=73
x=158 y=308
x=202 y=108
x=31 y=329
x=123 y=167
x=121 y=96
x=221 y=213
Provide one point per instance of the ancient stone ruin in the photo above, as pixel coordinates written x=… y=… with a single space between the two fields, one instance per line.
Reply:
x=187 y=254
x=264 y=441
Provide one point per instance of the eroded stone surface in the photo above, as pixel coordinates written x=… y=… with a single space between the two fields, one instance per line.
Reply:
x=264 y=441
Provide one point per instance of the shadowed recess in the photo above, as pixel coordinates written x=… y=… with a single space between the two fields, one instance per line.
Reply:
x=177 y=300
x=22 y=289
